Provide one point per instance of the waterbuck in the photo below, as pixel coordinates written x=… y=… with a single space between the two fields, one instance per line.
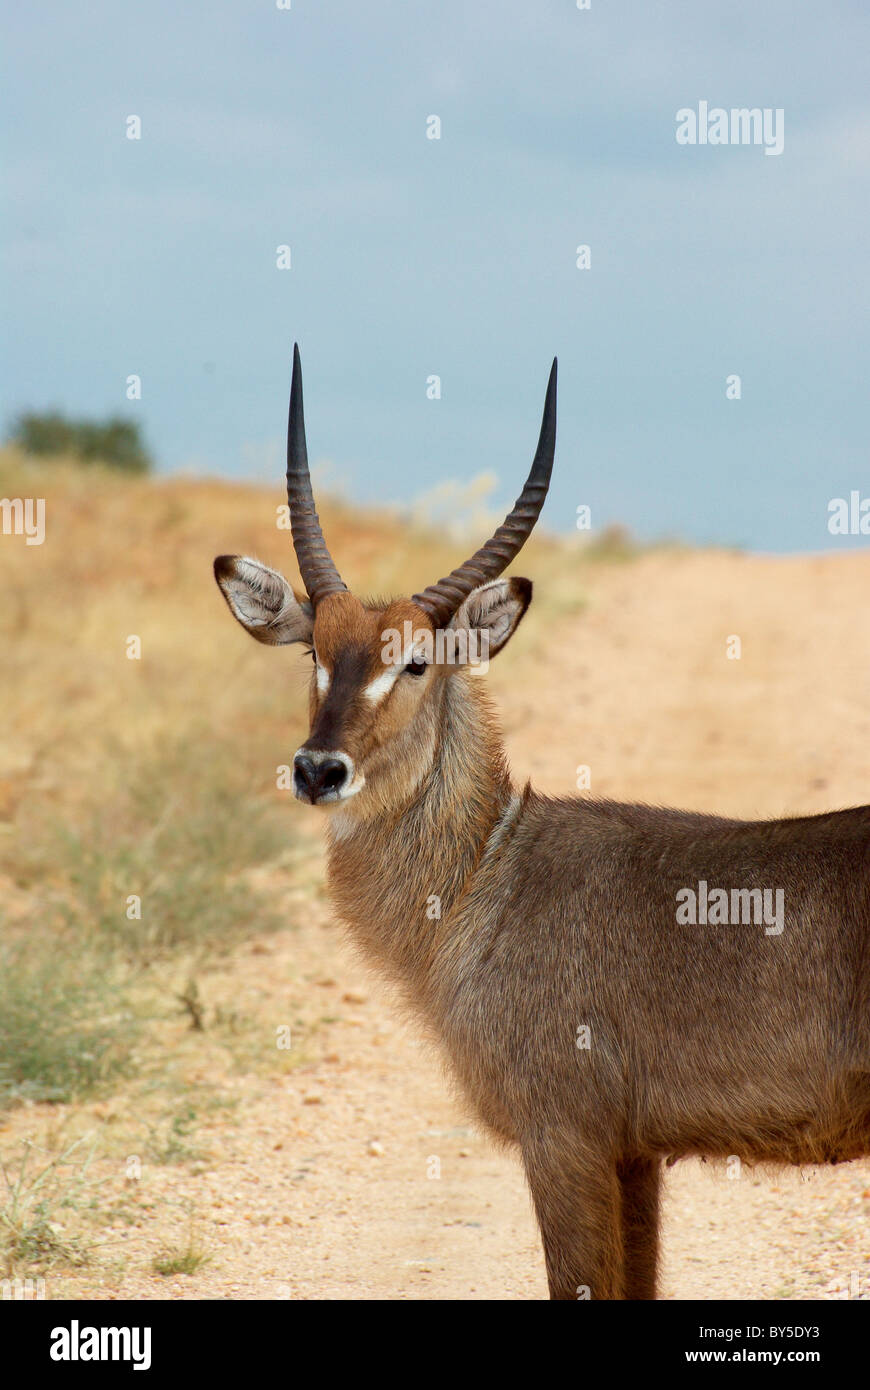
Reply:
x=615 y=985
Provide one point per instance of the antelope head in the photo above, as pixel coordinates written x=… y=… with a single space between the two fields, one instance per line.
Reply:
x=382 y=672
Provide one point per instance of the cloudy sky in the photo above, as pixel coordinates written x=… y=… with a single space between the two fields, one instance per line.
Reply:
x=413 y=257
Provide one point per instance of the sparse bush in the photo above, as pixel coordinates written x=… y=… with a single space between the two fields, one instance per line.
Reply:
x=32 y=1196
x=186 y=1260
x=116 y=441
x=64 y=1030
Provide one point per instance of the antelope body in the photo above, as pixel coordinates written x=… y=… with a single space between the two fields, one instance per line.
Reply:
x=539 y=939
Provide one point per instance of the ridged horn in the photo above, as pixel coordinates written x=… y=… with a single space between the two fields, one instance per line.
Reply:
x=441 y=600
x=319 y=574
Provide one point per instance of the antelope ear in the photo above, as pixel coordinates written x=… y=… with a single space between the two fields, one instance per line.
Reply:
x=495 y=609
x=263 y=602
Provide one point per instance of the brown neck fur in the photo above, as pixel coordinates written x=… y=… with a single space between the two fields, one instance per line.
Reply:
x=401 y=859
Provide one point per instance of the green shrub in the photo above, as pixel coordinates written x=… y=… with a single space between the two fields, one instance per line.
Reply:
x=116 y=441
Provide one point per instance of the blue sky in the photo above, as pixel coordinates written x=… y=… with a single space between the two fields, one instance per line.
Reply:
x=455 y=257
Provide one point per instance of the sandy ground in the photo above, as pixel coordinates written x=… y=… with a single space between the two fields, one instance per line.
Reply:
x=357 y=1173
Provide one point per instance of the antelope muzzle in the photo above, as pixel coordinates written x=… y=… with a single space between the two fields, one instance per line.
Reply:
x=321 y=778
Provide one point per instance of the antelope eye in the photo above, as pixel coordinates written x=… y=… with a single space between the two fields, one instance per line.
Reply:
x=415 y=668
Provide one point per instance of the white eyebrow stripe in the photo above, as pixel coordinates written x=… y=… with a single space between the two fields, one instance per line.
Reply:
x=322 y=679
x=383 y=684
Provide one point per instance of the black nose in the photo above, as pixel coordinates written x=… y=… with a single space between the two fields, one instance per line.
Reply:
x=314 y=777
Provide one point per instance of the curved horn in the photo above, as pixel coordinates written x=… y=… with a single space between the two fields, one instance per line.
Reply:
x=441 y=600
x=319 y=574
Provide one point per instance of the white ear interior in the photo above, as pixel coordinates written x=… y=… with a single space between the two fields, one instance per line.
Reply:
x=495 y=608
x=263 y=602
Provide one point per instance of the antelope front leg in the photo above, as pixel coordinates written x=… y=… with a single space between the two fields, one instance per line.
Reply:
x=577 y=1201
x=640 y=1181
